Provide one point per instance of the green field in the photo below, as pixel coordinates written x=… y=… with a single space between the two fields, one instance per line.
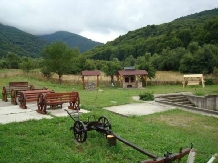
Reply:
x=51 y=140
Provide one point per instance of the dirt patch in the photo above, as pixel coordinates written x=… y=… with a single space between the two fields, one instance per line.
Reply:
x=177 y=120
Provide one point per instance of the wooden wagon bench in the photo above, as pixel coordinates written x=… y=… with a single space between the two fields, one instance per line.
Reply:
x=57 y=99
x=30 y=96
x=15 y=92
x=14 y=85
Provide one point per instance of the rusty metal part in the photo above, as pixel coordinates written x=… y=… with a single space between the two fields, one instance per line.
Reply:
x=169 y=157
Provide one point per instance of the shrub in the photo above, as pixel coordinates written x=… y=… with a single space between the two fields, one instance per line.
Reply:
x=147 y=96
x=209 y=82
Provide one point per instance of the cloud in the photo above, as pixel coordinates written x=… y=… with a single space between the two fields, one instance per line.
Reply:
x=95 y=19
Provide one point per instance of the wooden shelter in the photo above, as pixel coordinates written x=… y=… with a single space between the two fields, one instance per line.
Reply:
x=131 y=78
x=90 y=73
x=193 y=79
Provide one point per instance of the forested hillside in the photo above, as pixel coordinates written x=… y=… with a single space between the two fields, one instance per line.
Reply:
x=24 y=44
x=72 y=40
x=188 y=44
x=200 y=27
x=19 y=42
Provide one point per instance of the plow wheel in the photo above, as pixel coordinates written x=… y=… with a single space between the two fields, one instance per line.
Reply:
x=75 y=104
x=22 y=101
x=104 y=123
x=80 y=132
x=40 y=104
x=4 y=94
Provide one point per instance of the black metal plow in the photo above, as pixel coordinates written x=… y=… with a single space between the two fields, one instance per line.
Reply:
x=103 y=125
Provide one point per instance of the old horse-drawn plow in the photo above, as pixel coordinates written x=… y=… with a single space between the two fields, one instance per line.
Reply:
x=103 y=125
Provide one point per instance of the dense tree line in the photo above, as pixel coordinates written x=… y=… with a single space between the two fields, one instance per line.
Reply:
x=60 y=59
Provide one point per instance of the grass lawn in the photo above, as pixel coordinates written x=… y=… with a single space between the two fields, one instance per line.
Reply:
x=51 y=140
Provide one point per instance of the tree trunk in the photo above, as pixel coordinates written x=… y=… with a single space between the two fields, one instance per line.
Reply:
x=112 y=80
x=59 y=79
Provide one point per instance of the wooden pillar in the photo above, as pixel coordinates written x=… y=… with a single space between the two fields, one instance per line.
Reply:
x=145 y=77
x=202 y=80
x=183 y=82
x=97 y=80
x=121 y=80
x=83 y=82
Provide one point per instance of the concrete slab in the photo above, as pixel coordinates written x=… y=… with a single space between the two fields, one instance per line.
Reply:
x=145 y=108
x=60 y=112
x=13 y=113
x=19 y=117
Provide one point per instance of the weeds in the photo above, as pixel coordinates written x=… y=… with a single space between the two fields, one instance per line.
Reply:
x=146 y=96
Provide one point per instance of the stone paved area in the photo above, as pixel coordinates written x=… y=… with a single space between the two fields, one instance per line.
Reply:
x=13 y=113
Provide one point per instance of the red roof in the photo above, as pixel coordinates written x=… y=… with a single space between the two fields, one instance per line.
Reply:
x=132 y=72
x=91 y=73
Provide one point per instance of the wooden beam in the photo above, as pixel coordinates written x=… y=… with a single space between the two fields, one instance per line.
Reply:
x=97 y=81
x=83 y=82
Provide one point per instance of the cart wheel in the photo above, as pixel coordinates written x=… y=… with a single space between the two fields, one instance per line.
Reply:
x=80 y=132
x=105 y=123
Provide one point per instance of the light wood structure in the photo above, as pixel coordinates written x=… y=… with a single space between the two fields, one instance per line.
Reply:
x=193 y=79
x=91 y=73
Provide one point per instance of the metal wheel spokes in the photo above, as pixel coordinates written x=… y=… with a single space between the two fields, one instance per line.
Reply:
x=80 y=132
x=104 y=123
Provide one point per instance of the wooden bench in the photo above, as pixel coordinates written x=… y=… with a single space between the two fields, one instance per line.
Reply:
x=193 y=79
x=15 y=93
x=193 y=82
x=56 y=99
x=30 y=96
x=14 y=85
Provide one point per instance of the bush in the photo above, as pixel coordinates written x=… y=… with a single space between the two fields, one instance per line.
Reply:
x=146 y=96
x=209 y=82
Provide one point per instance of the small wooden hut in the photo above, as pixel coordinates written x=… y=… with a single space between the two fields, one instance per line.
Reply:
x=88 y=85
x=131 y=78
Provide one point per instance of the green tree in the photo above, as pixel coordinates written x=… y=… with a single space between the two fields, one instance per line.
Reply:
x=58 y=58
x=185 y=36
x=111 y=68
x=12 y=60
x=201 y=60
x=90 y=65
x=144 y=63
x=27 y=64
x=186 y=64
x=129 y=61
x=155 y=61
x=193 y=47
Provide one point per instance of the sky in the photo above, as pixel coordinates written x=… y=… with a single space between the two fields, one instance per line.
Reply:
x=98 y=20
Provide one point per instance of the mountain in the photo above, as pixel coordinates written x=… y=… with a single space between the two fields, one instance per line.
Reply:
x=199 y=27
x=25 y=44
x=72 y=40
x=19 y=42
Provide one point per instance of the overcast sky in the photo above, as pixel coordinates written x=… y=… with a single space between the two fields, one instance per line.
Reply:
x=99 y=20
